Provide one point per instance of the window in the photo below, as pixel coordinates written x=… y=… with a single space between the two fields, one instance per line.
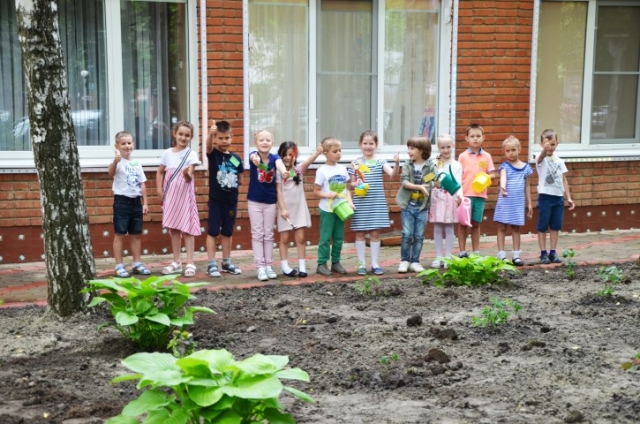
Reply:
x=127 y=69
x=340 y=67
x=587 y=76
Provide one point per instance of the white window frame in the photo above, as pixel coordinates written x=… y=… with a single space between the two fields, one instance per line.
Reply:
x=97 y=158
x=444 y=110
x=583 y=151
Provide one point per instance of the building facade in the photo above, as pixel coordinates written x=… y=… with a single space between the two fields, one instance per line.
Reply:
x=306 y=69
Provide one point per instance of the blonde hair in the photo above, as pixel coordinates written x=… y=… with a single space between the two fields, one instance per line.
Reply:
x=511 y=140
x=549 y=134
x=123 y=134
x=329 y=142
x=443 y=137
x=255 y=135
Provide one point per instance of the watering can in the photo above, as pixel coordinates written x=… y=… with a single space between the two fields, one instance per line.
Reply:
x=361 y=189
x=448 y=182
x=341 y=207
x=480 y=182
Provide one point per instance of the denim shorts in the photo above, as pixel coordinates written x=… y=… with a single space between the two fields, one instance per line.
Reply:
x=222 y=218
x=127 y=214
x=550 y=212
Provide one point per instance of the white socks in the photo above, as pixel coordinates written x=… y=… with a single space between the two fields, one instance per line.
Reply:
x=302 y=265
x=375 y=254
x=360 y=248
x=285 y=267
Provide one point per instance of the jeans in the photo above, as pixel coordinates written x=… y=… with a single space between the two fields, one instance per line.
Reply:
x=127 y=214
x=414 y=222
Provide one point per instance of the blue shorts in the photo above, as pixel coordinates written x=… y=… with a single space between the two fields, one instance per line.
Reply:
x=127 y=214
x=477 y=208
x=550 y=212
x=222 y=218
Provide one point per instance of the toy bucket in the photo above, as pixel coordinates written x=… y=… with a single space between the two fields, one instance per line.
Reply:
x=448 y=182
x=481 y=182
x=361 y=189
x=464 y=212
x=342 y=208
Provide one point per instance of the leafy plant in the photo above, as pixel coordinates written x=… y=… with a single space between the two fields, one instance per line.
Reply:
x=496 y=314
x=472 y=271
x=633 y=365
x=367 y=286
x=148 y=310
x=611 y=276
x=209 y=386
x=182 y=344
x=389 y=359
x=568 y=254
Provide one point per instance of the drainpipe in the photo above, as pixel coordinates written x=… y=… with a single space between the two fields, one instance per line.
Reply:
x=454 y=68
x=204 y=114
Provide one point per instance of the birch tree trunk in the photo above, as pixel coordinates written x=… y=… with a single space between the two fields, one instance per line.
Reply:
x=67 y=242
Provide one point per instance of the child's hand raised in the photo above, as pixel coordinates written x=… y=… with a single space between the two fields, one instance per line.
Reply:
x=396 y=158
x=187 y=174
x=118 y=157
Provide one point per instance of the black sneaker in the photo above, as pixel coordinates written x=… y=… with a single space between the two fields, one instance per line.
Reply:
x=463 y=255
x=554 y=259
x=544 y=259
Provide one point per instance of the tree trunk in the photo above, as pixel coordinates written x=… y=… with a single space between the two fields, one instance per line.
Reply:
x=67 y=241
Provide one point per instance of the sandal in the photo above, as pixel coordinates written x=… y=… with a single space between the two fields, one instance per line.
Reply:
x=518 y=262
x=172 y=268
x=139 y=268
x=121 y=272
x=213 y=270
x=190 y=270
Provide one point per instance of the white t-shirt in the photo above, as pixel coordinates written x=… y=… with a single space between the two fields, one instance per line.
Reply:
x=128 y=179
x=171 y=159
x=331 y=178
x=550 y=172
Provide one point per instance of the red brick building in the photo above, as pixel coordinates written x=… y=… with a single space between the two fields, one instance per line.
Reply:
x=307 y=69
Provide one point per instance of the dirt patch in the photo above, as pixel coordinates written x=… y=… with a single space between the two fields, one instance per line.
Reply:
x=406 y=355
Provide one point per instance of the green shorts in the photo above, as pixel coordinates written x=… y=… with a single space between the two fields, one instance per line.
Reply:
x=477 y=208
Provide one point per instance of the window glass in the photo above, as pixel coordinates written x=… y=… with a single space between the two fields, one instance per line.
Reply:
x=411 y=70
x=560 y=70
x=279 y=68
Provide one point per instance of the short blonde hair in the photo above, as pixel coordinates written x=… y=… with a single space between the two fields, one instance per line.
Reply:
x=255 y=135
x=511 y=140
x=123 y=134
x=329 y=142
x=443 y=137
x=549 y=134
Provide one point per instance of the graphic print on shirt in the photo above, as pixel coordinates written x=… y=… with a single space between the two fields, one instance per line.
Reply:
x=133 y=179
x=554 y=176
x=227 y=175
x=265 y=176
x=338 y=183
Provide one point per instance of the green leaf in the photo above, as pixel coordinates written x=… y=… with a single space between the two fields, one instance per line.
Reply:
x=122 y=420
x=125 y=318
x=217 y=361
x=126 y=377
x=262 y=364
x=105 y=284
x=277 y=417
x=159 y=318
x=258 y=387
x=163 y=416
x=227 y=417
x=299 y=394
x=293 y=374
x=147 y=401
x=201 y=309
x=205 y=396
x=159 y=368
x=182 y=321
x=96 y=301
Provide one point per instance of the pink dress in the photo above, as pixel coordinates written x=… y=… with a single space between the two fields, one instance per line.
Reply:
x=179 y=208
x=444 y=208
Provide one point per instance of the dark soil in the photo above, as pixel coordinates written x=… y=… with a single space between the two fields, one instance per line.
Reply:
x=557 y=361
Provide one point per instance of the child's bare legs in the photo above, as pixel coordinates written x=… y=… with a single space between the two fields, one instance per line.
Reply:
x=553 y=239
x=463 y=232
x=475 y=236
x=118 y=242
x=284 y=254
x=502 y=231
x=542 y=241
x=515 y=237
x=189 y=244
x=176 y=237
x=211 y=245
x=300 y=244
x=136 y=247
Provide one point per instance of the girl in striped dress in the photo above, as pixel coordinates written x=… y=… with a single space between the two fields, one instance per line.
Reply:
x=514 y=192
x=371 y=212
x=176 y=188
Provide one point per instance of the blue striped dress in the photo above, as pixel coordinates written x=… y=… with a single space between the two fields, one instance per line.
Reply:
x=372 y=211
x=511 y=209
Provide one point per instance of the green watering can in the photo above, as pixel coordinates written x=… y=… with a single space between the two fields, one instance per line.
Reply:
x=448 y=182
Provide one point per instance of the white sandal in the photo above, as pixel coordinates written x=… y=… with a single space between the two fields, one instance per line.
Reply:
x=172 y=268
x=190 y=270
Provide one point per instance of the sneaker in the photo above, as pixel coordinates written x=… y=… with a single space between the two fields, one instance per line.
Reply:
x=463 y=255
x=444 y=265
x=262 y=274
x=337 y=267
x=435 y=264
x=377 y=270
x=416 y=267
x=554 y=259
x=213 y=271
x=544 y=259
x=322 y=269
x=403 y=267
x=230 y=268
x=362 y=270
x=271 y=273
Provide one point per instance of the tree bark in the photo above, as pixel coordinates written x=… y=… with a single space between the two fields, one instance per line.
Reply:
x=67 y=241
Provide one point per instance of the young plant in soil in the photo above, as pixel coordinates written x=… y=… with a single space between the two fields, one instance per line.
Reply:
x=568 y=254
x=496 y=314
x=633 y=365
x=368 y=286
x=475 y=270
x=148 y=310
x=389 y=359
x=611 y=276
x=209 y=386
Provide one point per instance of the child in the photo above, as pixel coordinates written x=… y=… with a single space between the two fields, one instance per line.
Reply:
x=129 y=203
x=552 y=185
x=444 y=206
x=371 y=212
x=414 y=198
x=331 y=183
x=262 y=202
x=225 y=176
x=176 y=189
x=473 y=161
x=509 y=212
x=294 y=213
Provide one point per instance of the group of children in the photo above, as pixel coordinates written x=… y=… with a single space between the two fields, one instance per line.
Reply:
x=276 y=195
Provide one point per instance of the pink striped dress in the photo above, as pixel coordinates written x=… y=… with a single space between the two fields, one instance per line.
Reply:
x=179 y=209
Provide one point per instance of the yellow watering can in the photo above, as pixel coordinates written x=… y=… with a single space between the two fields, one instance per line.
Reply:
x=480 y=182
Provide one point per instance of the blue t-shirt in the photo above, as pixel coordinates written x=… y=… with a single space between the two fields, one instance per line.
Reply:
x=224 y=176
x=262 y=182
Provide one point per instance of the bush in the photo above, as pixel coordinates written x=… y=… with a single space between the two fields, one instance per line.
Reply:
x=475 y=270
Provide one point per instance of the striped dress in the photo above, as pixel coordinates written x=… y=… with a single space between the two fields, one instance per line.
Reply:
x=510 y=210
x=372 y=211
x=179 y=208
